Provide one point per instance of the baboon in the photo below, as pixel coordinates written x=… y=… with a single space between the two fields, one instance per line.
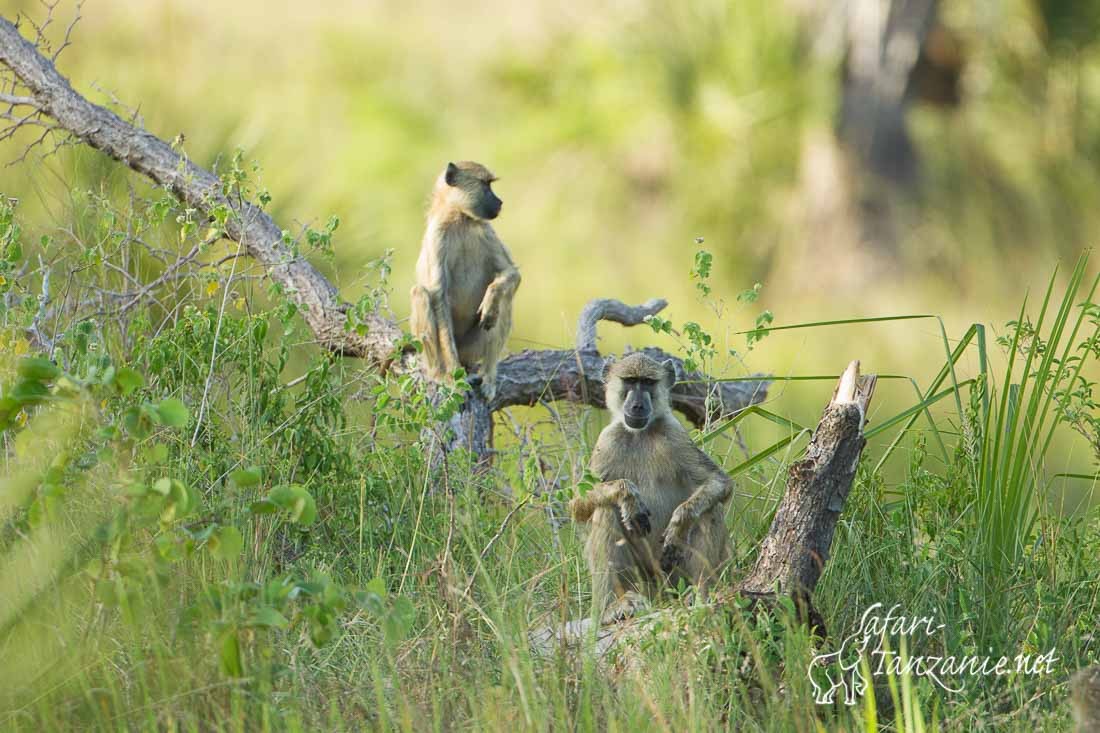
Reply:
x=1085 y=696
x=465 y=279
x=658 y=514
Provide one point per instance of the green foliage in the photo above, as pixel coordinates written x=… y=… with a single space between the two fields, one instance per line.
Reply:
x=1017 y=426
x=203 y=518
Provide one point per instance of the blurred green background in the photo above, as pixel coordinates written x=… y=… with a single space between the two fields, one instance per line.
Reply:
x=624 y=130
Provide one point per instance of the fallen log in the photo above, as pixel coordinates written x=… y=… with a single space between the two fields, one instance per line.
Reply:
x=794 y=551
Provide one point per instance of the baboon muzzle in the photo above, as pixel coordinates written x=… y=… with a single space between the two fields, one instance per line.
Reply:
x=637 y=409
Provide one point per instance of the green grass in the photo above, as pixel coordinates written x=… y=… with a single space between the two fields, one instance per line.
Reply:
x=289 y=562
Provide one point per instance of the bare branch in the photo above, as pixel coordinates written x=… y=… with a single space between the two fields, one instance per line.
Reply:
x=67 y=40
x=16 y=100
x=102 y=129
x=608 y=309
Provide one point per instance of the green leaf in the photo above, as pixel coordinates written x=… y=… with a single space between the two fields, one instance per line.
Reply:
x=267 y=617
x=182 y=497
x=173 y=413
x=136 y=422
x=229 y=654
x=245 y=477
x=296 y=501
x=156 y=453
x=38 y=369
x=226 y=543
x=137 y=489
x=399 y=620
x=377 y=586
x=263 y=506
x=163 y=486
x=128 y=380
x=29 y=392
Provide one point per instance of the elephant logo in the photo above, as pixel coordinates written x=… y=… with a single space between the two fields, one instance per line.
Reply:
x=841 y=668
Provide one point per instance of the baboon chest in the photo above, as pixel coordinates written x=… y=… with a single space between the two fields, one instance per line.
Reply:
x=655 y=465
x=469 y=272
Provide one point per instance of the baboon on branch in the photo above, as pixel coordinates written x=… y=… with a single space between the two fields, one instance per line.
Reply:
x=658 y=514
x=465 y=279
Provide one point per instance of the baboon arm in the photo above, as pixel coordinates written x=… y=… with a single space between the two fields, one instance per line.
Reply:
x=603 y=494
x=714 y=490
x=499 y=294
x=620 y=494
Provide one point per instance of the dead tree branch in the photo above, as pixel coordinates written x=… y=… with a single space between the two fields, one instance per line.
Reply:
x=576 y=375
x=249 y=225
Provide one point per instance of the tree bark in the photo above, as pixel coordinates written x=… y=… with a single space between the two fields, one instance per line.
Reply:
x=526 y=378
x=796 y=548
x=884 y=45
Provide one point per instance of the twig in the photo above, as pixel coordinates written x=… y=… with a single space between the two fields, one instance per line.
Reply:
x=493 y=541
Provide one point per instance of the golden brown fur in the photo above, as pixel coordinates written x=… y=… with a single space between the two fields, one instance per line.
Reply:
x=1085 y=696
x=658 y=514
x=465 y=279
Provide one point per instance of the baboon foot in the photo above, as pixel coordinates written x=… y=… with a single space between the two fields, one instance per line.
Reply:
x=487 y=389
x=672 y=556
x=624 y=607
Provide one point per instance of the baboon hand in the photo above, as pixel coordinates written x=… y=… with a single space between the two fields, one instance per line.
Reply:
x=679 y=526
x=487 y=314
x=635 y=517
x=675 y=536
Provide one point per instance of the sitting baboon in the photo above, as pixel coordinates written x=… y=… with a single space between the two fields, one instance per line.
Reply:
x=658 y=514
x=1085 y=696
x=465 y=279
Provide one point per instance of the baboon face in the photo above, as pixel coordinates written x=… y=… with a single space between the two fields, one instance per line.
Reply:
x=470 y=190
x=637 y=389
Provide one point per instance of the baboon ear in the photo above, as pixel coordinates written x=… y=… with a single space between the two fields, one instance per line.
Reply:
x=670 y=372
x=451 y=176
x=608 y=362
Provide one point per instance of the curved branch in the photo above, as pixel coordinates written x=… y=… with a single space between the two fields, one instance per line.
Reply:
x=147 y=154
x=609 y=309
x=530 y=377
